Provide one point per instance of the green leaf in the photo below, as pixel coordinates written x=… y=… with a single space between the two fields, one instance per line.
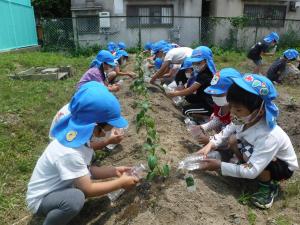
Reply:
x=163 y=150
x=166 y=170
x=151 y=175
x=152 y=162
x=147 y=147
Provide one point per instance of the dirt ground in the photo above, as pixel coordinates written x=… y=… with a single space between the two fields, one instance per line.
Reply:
x=168 y=202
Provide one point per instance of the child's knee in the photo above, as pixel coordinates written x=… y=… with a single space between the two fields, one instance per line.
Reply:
x=76 y=203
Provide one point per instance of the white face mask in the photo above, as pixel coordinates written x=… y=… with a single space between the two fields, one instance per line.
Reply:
x=198 y=68
x=124 y=61
x=220 y=101
x=247 y=119
x=188 y=75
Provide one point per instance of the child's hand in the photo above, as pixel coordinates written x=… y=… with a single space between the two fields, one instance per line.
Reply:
x=131 y=74
x=171 y=94
x=128 y=182
x=114 y=88
x=122 y=169
x=116 y=137
x=203 y=139
x=211 y=164
x=206 y=149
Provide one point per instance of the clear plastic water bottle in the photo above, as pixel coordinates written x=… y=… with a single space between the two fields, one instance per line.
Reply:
x=180 y=86
x=120 y=131
x=120 y=82
x=190 y=182
x=138 y=171
x=177 y=100
x=194 y=161
x=274 y=49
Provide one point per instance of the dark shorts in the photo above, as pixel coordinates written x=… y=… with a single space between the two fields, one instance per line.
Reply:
x=279 y=170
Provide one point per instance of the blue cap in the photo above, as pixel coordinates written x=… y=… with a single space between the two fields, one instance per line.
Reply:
x=120 y=53
x=271 y=37
x=187 y=63
x=157 y=63
x=222 y=80
x=262 y=86
x=111 y=46
x=291 y=54
x=103 y=56
x=122 y=45
x=158 y=46
x=204 y=53
x=148 y=46
x=167 y=48
x=91 y=104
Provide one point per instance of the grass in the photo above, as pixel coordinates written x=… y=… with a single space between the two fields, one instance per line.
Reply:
x=27 y=109
x=251 y=217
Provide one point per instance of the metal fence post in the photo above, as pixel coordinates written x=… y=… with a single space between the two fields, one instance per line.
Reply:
x=140 y=35
x=256 y=28
x=199 y=21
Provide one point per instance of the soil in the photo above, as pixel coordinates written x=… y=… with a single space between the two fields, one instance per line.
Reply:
x=167 y=201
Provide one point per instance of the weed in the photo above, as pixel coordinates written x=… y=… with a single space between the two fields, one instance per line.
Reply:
x=251 y=217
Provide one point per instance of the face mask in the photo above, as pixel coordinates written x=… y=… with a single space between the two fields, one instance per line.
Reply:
x=110 y=69
x=220 y=101
x=124 y=62
x=198 y=69
x=247 y=119
x=188 y=75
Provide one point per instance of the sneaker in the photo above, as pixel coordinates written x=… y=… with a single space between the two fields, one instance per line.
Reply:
x=265 y=196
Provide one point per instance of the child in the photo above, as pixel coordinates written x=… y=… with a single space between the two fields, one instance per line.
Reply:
x=265 y=150
x=63 y=176
x=147 y=47
x=103 y=64
x=112 y=47
x=106 y=134
x=220 y=84
x=120 y=60
x=122 y=46
x=201 y=104
x=185 y=73
x=261 y=48
x=172 y=56
x=274 y=73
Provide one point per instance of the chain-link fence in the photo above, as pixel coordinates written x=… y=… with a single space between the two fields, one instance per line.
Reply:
x=234 y=33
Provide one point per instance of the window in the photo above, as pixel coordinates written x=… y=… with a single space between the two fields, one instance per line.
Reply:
x=88 y=25
x=265 y=15
x=150 y=15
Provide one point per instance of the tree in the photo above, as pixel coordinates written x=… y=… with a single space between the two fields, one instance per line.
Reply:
x=52 y=8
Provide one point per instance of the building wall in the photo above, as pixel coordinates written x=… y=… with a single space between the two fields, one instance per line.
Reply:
x=17 y=24
x=248 y=35
x=188 y=28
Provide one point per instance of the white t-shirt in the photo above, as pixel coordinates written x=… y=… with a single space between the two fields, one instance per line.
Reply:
x=178 y=55
x=60 y=114
x=260 y=146
x=56 y=169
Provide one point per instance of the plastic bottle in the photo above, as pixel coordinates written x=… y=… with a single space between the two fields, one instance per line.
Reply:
x=120 y=131
x=274 y=49
x=190 y=182
x=137 y=171
x=194 y=161
x=180 y=86
x=177 y=100
x=120 y=82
